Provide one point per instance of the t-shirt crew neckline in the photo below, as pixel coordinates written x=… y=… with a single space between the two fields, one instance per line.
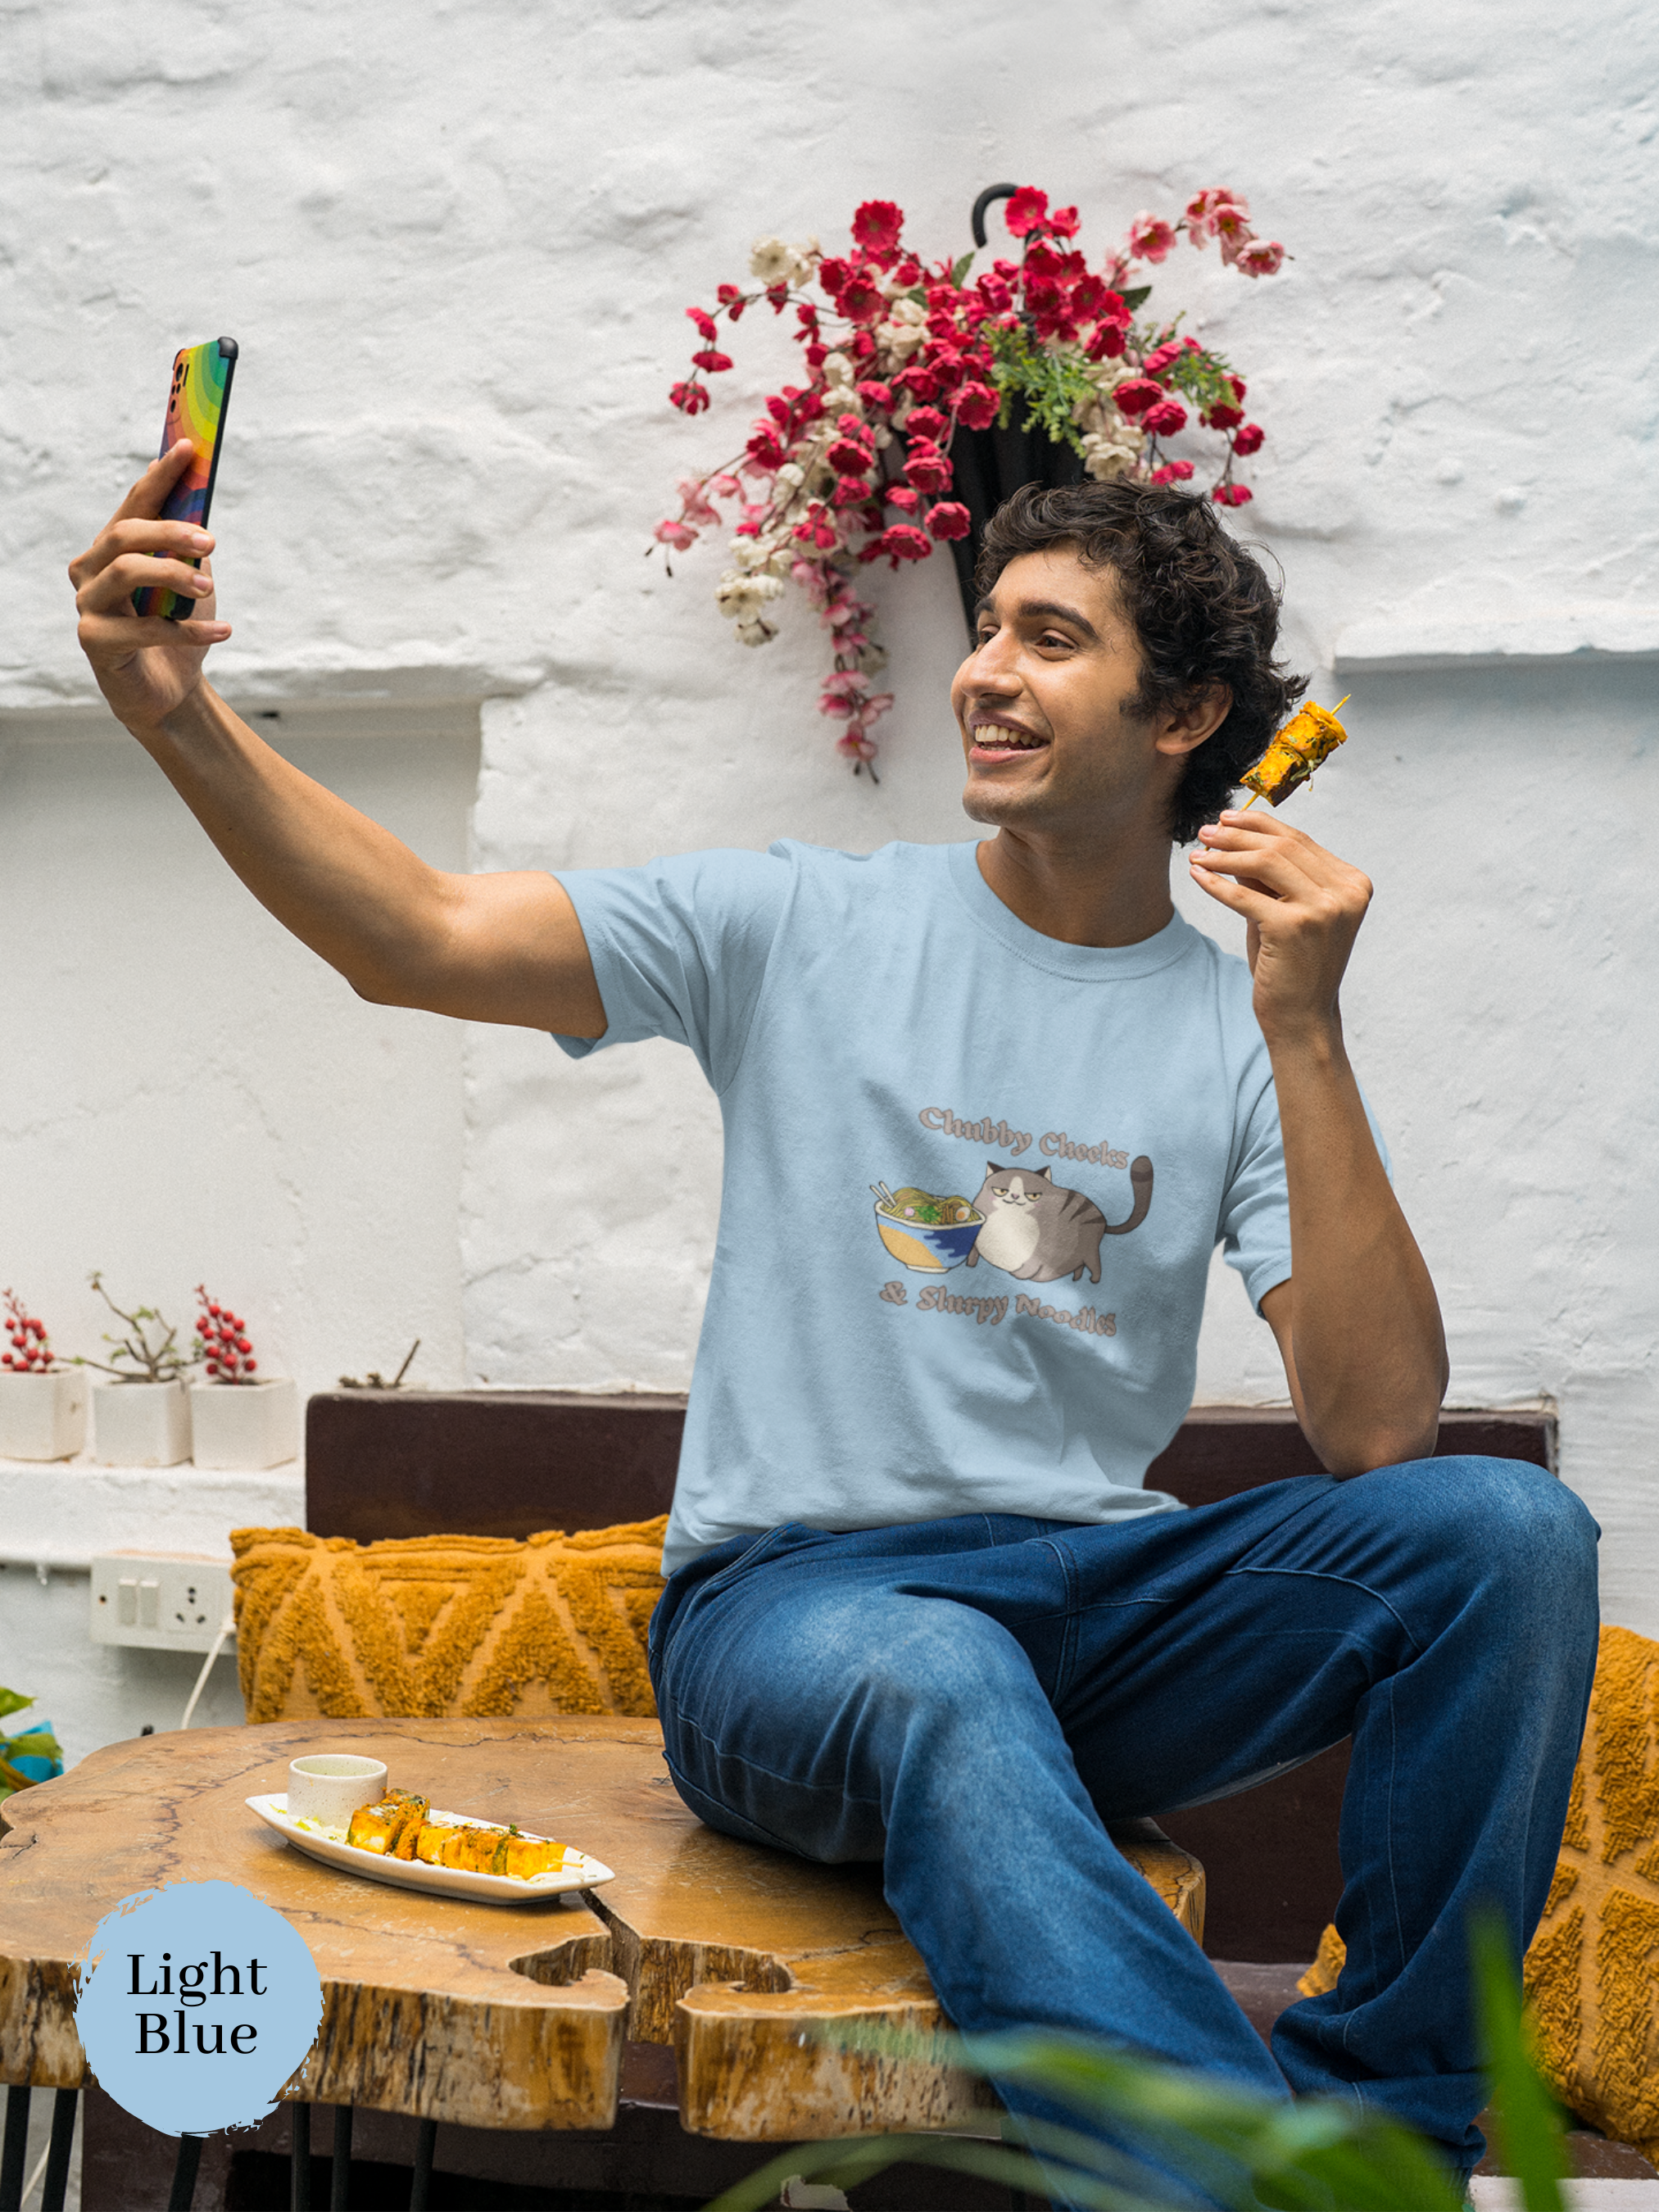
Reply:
x=1082 y=963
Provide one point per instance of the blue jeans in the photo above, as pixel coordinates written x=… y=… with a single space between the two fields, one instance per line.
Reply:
x=969 y=1701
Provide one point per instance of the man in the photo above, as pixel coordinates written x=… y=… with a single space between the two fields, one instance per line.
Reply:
x=922 y=1608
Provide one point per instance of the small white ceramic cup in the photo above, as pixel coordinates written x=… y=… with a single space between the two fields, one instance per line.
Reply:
x=329 y=1786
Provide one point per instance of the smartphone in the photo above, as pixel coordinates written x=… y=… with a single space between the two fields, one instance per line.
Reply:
x=195 y=410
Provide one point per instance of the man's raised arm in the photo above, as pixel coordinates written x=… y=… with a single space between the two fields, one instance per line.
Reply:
x=489 y=948
x=1358 y=1323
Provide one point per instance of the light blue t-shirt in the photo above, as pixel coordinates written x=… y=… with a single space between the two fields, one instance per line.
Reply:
x=1063 y=1133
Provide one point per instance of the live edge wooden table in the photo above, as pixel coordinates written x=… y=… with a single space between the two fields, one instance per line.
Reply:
x=508 y=2018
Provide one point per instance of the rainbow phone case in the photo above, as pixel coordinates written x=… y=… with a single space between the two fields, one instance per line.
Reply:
x=195 y=410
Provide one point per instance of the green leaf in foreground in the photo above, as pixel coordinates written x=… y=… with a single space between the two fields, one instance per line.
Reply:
x=12 y=1701
x=1528 y=2124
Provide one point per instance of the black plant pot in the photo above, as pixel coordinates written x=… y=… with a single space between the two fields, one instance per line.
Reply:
x=987 y=467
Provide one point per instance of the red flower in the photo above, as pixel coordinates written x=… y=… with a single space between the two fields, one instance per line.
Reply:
x=902 y=496
x=1249 y=439
x=816 y=355
x=690 y=397
x=1136 y=394
x=1106 y=343
x=1090 y=296
x=1172 y=472
x=1164 y=420
x=765 y=447
x=1026 y=210
x=900 y=541
x=875 y=394
x=1231 y=495
x=1238 y=383
x=1223 y=417
x=705 y=323
x=712 y=361
x=977 y=406
x=927 y=469
x=860 y=299
x=849 y=492
x=1160 y=358
x=848 y=458
x=1063 y=223
x=1262 y=257
x=728 y=295
x=833 y=274
x=996 y=294
x=919 y=380
x=923 y=422
x=949 y=517
x=877 y=226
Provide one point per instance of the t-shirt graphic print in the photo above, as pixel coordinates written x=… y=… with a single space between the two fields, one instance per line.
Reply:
x=974 y=1179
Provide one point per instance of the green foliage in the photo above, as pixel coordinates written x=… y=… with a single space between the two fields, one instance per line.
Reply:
x=37 y=1742
x=1053 y=383
x=1238 y=2150
x=12 y=1701
x=1529 y=2125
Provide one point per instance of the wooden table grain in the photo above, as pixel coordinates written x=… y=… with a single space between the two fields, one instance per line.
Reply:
x=488 y=2016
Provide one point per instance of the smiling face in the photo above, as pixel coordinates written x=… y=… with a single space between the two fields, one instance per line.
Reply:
x=1045 y=707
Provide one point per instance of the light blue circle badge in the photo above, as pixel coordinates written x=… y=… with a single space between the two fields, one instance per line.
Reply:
x=197 y=2003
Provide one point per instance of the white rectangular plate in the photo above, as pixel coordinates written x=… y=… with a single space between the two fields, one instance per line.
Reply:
x=330 y=1845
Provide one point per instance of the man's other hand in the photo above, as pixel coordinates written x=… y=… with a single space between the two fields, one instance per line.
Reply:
x=146 y=666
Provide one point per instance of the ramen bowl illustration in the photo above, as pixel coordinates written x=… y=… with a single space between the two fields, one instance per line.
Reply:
x=928 y=1234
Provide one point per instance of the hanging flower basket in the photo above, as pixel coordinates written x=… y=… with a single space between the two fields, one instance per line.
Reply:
x=928 y=398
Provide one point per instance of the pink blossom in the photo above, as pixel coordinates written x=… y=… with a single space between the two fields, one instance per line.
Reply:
x=856 y=745
x=948 y=518
x=849 y=492
x=712 y=360
x=1249 y=439
x=977 y=406
x=679 y=535
x=924 y=422
x=690 y=396
x=1262 y=257
x=1150 y=237
x=765 y=447
x=1164 y=420
x=876 y=394
x=1026 y=210
x=904 y=497
x=1205 y=214
x=1160 y=358
x=1063 y=223
x=705 y=323
x=900 y=541
x=1231 y=495
x=694 y=504
x=723 y=487
x=1172 y=472
x=877 y=225
x=848 y=458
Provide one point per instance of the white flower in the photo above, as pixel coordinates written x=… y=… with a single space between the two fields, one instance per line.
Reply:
x=909 y=311
x=790 y=473
x=752 y=552
x=755 y=632
x=740 y=599
x=1107 y=453
x=900 y=338
x=838 y=368
x=771 y=260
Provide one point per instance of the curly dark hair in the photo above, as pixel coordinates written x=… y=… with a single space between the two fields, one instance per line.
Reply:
x=1202 y=608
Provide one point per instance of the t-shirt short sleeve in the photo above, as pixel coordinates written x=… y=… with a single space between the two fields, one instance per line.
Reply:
x=1255 y=1216
x=680 y=948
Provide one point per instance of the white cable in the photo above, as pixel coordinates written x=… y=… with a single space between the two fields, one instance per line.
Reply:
x=30 y=2185
x=225 y=1627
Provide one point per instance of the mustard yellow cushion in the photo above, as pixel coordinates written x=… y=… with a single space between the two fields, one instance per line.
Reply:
x=1592 y=1972
x=433 y=1627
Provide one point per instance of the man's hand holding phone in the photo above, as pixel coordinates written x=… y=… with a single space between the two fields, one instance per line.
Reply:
x=146 y=664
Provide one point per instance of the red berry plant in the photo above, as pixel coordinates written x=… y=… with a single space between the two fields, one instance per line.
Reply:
x=31 y=1353
x=222 y=1340
x=853 y=465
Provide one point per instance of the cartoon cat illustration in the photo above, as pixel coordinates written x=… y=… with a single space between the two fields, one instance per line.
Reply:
x=1036 y=1229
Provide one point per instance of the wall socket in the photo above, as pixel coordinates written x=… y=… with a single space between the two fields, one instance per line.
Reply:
x=160 y=1601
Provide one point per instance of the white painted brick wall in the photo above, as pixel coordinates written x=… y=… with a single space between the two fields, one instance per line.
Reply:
x=456 y=246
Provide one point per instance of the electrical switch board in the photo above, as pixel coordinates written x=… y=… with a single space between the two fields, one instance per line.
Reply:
x=160 y=1601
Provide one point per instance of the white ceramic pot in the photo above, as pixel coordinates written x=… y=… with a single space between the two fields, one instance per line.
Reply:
x=43 y=1416
x=139 y=1423
x=245 y=1425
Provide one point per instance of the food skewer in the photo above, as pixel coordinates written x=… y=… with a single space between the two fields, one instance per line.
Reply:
x=1310 y=735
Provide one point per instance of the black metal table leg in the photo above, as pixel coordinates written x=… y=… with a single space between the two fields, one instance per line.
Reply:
x=63 y=2109
x=184 y=2173
x=339 y=2166
x=420 y=2188
x=14 y=2149
x=299 y=2191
